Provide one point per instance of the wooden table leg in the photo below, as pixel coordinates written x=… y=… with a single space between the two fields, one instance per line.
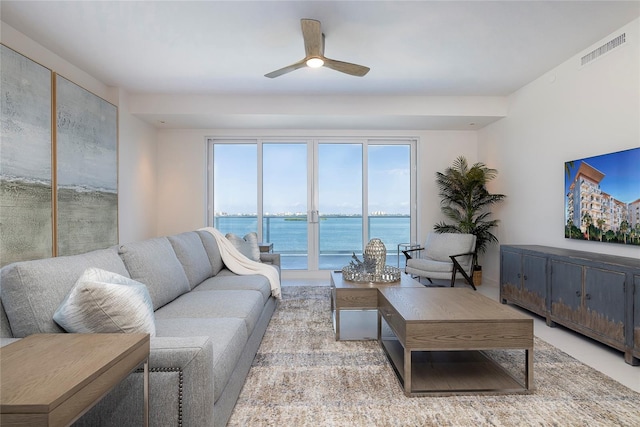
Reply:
x=528 y=375
x=146 y=393
x=407 y=372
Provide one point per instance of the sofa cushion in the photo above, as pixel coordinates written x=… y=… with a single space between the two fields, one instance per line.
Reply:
x=247 y=245
x=5 y=330
x=105 y=302
x=226 y=280
x=154 y=263
x=228 y=336
x=430 y=265
x=439 y=246
x=191 y=254
x=245 y=305
x=213 y=252
x=33 y=290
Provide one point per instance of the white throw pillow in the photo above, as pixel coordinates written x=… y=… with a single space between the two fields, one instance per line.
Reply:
x=106 y=302
x=247 y=245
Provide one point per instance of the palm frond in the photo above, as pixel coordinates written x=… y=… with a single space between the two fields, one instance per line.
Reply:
x=465 y=201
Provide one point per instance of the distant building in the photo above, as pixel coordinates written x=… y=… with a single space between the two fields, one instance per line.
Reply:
x=634 y=213
x=586 y=197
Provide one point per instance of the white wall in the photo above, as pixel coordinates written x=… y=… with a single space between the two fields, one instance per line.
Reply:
x=182 y=180
x=182 y=170
x=136 y=150
x=137 y=176
x=437 y=151
x=566 y=114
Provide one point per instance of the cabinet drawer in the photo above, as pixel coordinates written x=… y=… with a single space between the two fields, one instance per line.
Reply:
x=357 y=298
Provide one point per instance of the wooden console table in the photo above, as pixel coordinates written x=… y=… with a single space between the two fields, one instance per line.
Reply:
x=53 y=379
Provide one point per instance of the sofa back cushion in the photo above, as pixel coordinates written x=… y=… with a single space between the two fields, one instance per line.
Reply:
x=191 y=254
x=33 y=290
x=439 y=246
x=154 y=263
x=247 y=245
x=211 y=246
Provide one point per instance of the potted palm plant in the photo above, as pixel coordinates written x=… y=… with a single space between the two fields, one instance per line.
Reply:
x=465 y=201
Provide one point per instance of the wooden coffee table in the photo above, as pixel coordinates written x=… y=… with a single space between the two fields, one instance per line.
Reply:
x=347 y=295
x=52 y=379
x=440 y=335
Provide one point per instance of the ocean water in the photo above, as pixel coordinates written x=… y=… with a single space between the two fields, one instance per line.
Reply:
x=340 y=237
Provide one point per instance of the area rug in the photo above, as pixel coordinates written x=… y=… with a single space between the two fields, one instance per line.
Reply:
x=302 y=377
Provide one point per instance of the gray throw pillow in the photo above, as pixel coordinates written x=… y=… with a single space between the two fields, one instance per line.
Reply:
x=106 y=302
x=247 y=245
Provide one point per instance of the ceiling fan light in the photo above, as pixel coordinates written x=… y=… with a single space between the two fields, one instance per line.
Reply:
x=315 y=62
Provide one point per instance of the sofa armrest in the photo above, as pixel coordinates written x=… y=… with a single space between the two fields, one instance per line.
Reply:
x=180 y=388
x=270 y=258
x=193 y=357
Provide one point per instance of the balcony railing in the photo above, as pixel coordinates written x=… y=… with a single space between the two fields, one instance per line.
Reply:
x=339 y=236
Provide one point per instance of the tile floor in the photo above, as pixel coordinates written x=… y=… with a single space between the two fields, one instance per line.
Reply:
x=601 y=357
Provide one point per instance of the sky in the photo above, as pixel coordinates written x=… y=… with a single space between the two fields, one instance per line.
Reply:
x=285 y=178
x=621 y=174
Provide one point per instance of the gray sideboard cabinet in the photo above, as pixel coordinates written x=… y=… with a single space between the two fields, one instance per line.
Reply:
x=594 y=294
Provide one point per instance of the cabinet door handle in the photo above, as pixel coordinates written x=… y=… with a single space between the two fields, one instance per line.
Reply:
x=578 y=294
x=587 y=296
x=525 y=277
x=519 y=275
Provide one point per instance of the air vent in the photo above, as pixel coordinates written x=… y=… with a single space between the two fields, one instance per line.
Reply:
x=605 y=48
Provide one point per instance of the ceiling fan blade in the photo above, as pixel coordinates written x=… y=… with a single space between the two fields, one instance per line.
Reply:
x=286 y=69
x=313 y=40
x=346 y=67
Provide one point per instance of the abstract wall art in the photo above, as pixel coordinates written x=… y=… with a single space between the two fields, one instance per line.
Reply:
x=58 y=164
x=87 y=170
x=26 y=223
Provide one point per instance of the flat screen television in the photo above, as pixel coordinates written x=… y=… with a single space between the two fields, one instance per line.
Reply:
x=602 y=198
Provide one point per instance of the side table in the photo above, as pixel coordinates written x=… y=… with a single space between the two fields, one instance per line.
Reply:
x=406 y=247
x=265 y=247
x=53 y=379
x=357 y=303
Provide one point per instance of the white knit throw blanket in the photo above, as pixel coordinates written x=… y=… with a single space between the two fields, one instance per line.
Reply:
x=240 y=264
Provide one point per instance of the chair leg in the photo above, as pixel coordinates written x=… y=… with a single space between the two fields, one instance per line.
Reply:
x=456 y=268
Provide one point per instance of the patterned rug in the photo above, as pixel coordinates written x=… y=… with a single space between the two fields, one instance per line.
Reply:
x=302 y=377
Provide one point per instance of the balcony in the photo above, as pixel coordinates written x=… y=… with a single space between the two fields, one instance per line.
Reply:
x=339 y=236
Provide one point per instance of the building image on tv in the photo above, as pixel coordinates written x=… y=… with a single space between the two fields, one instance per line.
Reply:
x=603 y=198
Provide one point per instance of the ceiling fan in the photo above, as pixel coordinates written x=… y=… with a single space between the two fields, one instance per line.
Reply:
x=314 y=49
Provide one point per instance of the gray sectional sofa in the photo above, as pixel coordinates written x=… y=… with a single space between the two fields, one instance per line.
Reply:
x=209 y=324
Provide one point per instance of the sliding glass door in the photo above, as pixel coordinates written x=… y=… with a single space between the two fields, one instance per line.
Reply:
x=285 y=202
x=340 y=224
x=234 y=201
x=318 y=201
x=389 y=197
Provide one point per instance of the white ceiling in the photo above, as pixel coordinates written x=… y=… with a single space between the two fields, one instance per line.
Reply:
x=427 y=48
